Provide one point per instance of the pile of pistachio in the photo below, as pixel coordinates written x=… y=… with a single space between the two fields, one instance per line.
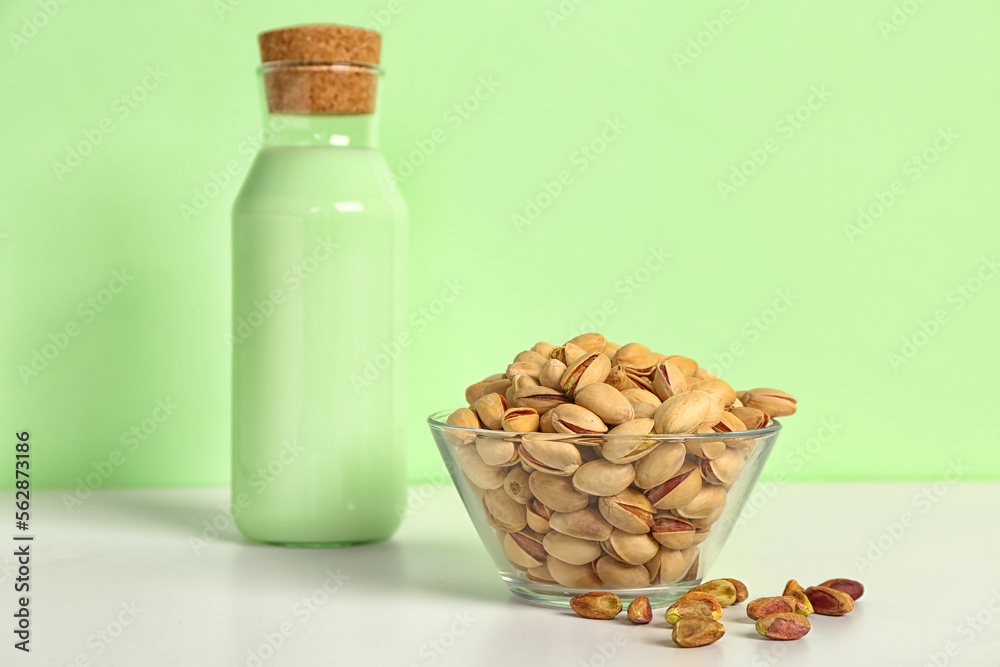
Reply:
x=595 y=510
x=696 y=616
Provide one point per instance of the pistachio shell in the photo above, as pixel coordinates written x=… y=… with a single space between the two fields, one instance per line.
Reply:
x=673 y=532
x=463 y=418
x=524 y=549
x=603 y=478
x=616 y=574
x=609 y=404
x=630 y=548
x=715 y=384
x=516 y=485
x=682 y=413
x=520 y=420
x=479 y=473
x=541 y=575
x=724 y=469
x=686 y=365
x=706 y=448
x=590 y=342
x=678 y=490
x=571 y=550
x=575 y=419
x=504 y=511
x=772 y=402
x=591 y=367
x=551 y=373
x=708 y=499
x=538 y=516
x=542 y=348
x=668 y=380
x=669 y=565
x=490 y=409
x=659 y=465
x=496 y=451
x=556 y=493
x=541 y=399
x=625 y=443
x=517 y=384
x=554 y=457
x=644 y=410
x=532 y=356
x=573 y=576
x=637 y=395
x=636 y=357
x=629 y=510
x=586 y=524
x=752 y=418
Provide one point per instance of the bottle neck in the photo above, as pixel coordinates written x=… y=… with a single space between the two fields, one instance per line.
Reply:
x=346 y=131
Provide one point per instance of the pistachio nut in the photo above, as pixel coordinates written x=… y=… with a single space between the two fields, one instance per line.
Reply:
x=589 y=368
x=551 y=373
x=659 y=465
x=462 y=418
x=709 y=499
x=685 y=365
x=630 y=548
x=545 y=423
x=520 y=420
x=571 y=550
x=497 y=387
x=598 y=605
x=532 y=356
x=556 y=493
x=603 y=478
x=640 y=611
x=668 y=380
x=704 y=523
x=529 y=368
x=673 y=532
x=515 y=484
x=590 y=342
x=682 y=413
x=572 y=576
x=706 y=448
x=752 y=418
x=636 y=357
x=708 y=598
x=853 y=588
x=802 y=604
x=606 y=402
x=541 y=399
x=772 y=402
x=497 y=451
x=575 y=419
x=476 y=490
x=538 y=516
x=610 y=349
x=679 y=490
x=717 y=408
x=829 y=601
x=669 y=565
x=524 y=549
x=700 y=535
x=550 y=456
x=729 y=423
x=697 y=631
x=625 y=443
x=541 y=575
x=687 y=609
x=741 y=589
x=724 y=469
x=490 y=408
x=590 y=452
x=722 y=590
x=587 y=524
x=479 y=473
x=616 y=574
x=638 y=395
x=792 y=585
x=762 y=607
x=629 y=510
x=783 y=626
x=542 y=348
x=504 y=511
x=567 y=353
x=475 y=391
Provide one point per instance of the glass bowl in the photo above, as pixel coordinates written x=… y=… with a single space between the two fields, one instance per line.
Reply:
x=605 y=539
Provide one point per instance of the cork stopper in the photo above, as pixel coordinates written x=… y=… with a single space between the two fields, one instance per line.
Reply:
x=320 y=69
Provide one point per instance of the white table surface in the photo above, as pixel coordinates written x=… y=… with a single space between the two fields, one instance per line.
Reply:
x=117 y=582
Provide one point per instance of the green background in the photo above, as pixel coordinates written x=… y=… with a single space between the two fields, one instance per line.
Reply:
x=684 y=93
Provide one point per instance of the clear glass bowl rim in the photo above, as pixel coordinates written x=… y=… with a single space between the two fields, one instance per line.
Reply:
x=438 y=420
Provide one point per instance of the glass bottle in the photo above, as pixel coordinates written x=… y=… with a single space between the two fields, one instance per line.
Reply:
x=319 y=252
